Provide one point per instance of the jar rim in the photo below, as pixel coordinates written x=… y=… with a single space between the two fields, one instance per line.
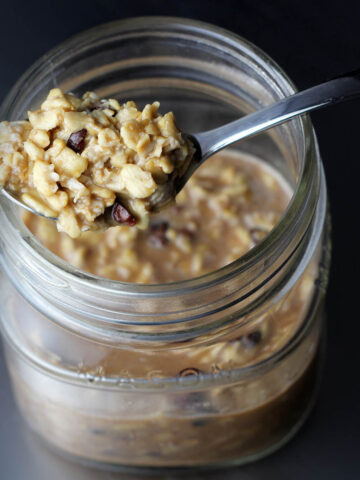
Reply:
x=238 y=266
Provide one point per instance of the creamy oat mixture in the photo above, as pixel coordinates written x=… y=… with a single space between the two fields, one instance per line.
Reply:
x=227 y=207
x=76 y=157
x=230 y=204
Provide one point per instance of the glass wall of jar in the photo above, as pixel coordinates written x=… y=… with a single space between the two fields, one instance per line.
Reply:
x=218 y=369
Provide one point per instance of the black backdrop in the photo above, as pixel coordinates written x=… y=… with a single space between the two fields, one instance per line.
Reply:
x=312 y=41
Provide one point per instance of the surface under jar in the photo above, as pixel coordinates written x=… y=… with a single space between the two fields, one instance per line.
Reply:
x=214 y=370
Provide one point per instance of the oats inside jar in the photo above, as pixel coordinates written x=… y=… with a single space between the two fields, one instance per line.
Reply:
x=227 y=207
x=230 y=204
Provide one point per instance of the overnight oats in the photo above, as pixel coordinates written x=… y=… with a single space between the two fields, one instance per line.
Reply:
x=195 y=339
x=226 y=208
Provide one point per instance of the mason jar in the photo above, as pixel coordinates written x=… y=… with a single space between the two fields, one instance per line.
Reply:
x=103 y=370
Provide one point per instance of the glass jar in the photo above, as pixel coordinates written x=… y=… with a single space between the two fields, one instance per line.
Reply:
x=102 y=369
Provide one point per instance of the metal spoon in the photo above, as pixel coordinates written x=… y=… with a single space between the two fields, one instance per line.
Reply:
x=207 y=143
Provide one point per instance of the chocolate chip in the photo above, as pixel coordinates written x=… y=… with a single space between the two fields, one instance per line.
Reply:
x=251 y=339
x=186 y=372
x=198 y=402
x=76 y=140
x=98 y=431
x=177 y=209
x=194 y=403
x=199 y=422
x=122 y=216
x=157 y=234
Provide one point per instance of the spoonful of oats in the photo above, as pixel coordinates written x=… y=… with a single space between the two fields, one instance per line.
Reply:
x=91 y=163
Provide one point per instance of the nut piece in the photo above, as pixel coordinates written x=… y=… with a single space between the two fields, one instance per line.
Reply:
x=131 y=133
x=57 y=146
x=108 y=138
x=70 y=163
x=58 y=201
x=167 y=125
x=67 y=222
x=35 y=153
x=76 y=188
x=75 y=121
x=45 y=120
x=40 y=137
x=139 y=184
x=104 y=193
x=45 y=178
x=56 y=99
x=119 y=159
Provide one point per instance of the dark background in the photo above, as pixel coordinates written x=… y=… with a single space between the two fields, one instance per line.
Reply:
x=312 y=41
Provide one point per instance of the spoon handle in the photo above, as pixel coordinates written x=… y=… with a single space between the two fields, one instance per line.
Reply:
x=334 y=91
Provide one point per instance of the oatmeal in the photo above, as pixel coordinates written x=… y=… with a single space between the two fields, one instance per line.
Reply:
x=227 y=207
x=230 y=205
x=75 y=158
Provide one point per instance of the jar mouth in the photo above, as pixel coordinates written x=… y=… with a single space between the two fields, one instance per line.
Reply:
x=243 y=264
